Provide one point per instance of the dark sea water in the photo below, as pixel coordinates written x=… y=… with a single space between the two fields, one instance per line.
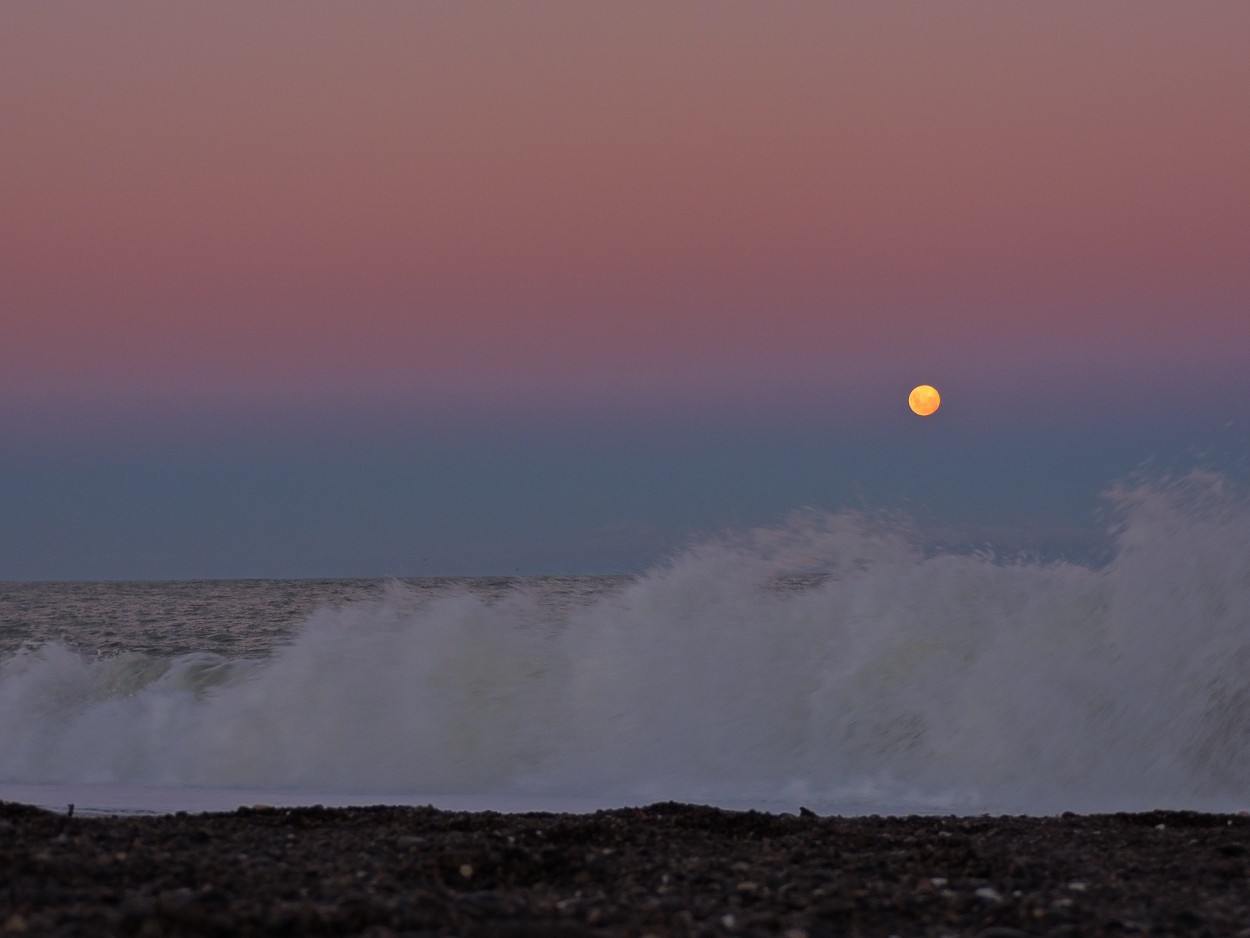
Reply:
x=237 y=618
x=836 y=661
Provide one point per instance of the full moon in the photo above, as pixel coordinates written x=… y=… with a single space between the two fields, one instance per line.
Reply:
x=924 y=400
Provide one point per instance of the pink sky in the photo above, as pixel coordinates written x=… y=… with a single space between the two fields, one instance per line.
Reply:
x=320 y=202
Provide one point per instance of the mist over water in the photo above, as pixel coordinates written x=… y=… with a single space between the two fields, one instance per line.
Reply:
x=832 y=660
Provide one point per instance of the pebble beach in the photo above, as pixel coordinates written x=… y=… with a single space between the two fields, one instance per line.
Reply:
x=665 y=870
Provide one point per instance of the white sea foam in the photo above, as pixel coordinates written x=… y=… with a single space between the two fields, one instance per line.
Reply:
x=893 y=676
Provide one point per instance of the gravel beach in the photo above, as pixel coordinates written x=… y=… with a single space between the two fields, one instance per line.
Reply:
x=666 y=869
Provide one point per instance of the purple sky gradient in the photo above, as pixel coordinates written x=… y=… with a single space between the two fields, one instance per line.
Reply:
x=317 y=289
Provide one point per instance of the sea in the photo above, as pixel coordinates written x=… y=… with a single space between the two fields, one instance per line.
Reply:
x=838 y=661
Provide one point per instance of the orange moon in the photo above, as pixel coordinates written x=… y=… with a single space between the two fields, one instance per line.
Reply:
x=924 y=400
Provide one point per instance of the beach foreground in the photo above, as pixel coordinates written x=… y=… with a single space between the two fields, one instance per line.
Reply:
x=666 y=869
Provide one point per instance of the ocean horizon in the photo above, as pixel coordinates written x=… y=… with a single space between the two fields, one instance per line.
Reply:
x=835 y=662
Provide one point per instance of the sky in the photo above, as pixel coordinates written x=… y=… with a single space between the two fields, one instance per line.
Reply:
x=399 y=289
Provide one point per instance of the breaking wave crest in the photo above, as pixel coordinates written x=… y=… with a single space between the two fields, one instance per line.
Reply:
x=829 y=659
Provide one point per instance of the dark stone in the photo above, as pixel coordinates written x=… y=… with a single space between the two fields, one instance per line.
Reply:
x=671 y=869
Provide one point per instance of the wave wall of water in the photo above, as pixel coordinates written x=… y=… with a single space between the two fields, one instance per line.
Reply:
x=828 y=659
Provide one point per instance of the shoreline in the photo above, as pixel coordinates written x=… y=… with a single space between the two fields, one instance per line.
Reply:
x=665 y=869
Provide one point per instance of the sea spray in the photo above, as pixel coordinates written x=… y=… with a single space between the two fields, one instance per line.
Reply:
x=833 y=657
